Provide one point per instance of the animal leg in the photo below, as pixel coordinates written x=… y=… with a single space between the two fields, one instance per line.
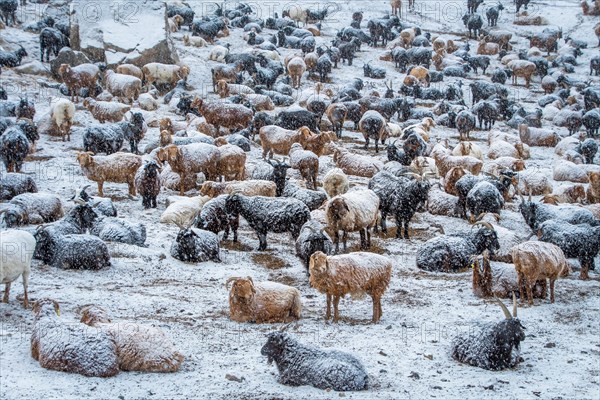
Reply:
x=521 y=283
x=6 y=292
x=100 y=192
x=363 y=240
x=367 y=229
x=345 y=239
x=336 y=302
x=25 y=285
x=328 y=313
x=529 y=288
x=262 y=239
x=336 y=241
x=551 y=290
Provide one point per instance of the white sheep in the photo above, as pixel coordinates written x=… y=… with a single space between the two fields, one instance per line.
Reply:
x=16 y=252
x=126 y=87
x=567 y=171
x=218 y=53
x=195 y=41
x=501 y=148
x=353 y=211
x=356 y=164
x=147 y=102
x=424 y=166
x=566 y=144
x=422 y=128
x=165 y=74
x=139 y=347
x=62 y=112
x=106 y=111
x=468 y=149
x=537 y=136
x=535 y=182
x=263 y=302
x=356 y=274
x=181 y=213
x=335 y=182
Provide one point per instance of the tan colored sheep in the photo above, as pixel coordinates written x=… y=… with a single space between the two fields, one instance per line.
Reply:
x=593 y=190
x=192 y=159
x=253 y=187
x=118 y=168
x=231 y=163
x=139 y=347
x=296 y=67
x=106 y=111
x=166 y=74
x=182 y=211
x=335 y=182
x=275 y=139
x=263 y=302
x=130 y=69
x=307 y=163
x=522 y=68
x=356 y=274
x=538 y=136
x=445 y=162
x=538 y=261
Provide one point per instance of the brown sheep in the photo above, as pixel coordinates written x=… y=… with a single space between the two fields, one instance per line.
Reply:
x=307 y=163
x=253 y=187
x=522 y=68
x=318 y=143
x=296 y=68
x=192 y=159
x=225 y=89
x=263 y=302
x=356 y=274
x=538 y=136
x=396 y=7
x=421 y=73
x=224 y=114
x=445 y=162
x=139 y=347
x=538 y=261
x=593 y=190
x=356 y=164
x=81 y=76
x=310 y=60
x=231 y=163
x=106 y=111
x=451 y=177
x=488 y=49
x=336 y=113
x=165 y=74
x=275 y=139
x=226 y=72
x=118 y=168
x=130 y=69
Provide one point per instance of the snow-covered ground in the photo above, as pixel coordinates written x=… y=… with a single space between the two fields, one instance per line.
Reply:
x=406 y=354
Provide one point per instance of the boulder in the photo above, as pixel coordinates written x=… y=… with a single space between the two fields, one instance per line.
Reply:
x=67 y=56
x=123 y=32
x=33 y=68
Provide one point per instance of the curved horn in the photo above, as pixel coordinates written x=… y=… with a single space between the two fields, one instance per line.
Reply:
x=233 y=278
x=504 y=309
x=486 y=224
x=514 y=305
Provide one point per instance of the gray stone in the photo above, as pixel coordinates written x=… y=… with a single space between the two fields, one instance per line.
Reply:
x=123 y=32
x=33 y=68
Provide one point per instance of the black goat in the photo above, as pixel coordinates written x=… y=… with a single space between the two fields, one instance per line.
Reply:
x=535 y=214
x=473 y=22
x=324 y=67
x=373 y=72
x=493 y=13
x=9 y=11
x=12 y=58
x=486 y=112
x=51 y=40
x=473 y=5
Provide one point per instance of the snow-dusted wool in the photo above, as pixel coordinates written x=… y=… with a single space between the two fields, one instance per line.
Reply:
x=138 y=347
x=183 y=211
x=312 y=198
x=196 y=245
x=118 y=168
x=535 y=213
x=147 y=183
x=70 y=347
x=492 y=346
x=32 y=208
x=267 y=214
x=81 y=252
x=581 y=241
x=126 y=87
x=193 y=158
x=263 y=302
x=356 y=274
x=484 y=197
x=13 y=184
x=252 y=187
x=312 y=238
x=335 y=182
x=299 y=364
x=213 y=218
x=306 y=162
x=356 y=164
x=277 y=140
x=119 y=230
x=16 y=251
x=14 y=147
x=450 y=253
x=353 y=211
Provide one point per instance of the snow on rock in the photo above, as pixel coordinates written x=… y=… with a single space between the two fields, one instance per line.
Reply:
x=124 y=32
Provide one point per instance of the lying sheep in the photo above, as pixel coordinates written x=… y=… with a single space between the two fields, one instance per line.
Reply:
x=335 y=182
x=538 y=136
x=445 y=162
x=567 y=171
x=491 y=346
x=195 y=245
x=14 y=184
x=353 y=211
x=69 y=347
x=32 y=208
x=111 y=229
x=253 y=187
x=183 y=211
x=195 y=41
x=16 y=254
x=536 y=261
x=106 y=111
x=117 y=168
x=263 y=302
x=300 y=365
x=356 y=164
x=306 y=162
x=164 y=74
x=138 y=347
x=357 y=274
x=468 y=149
x=81 y=252
x=266 y=214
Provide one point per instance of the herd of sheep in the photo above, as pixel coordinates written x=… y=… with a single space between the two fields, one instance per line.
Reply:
x=274 y=98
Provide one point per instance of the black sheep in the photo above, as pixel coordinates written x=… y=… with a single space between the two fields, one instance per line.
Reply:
x=591 y=121
x=324 y=67
x=147 y=182
x=9 y=11
x=373 y=72
x=81 y=252
x=13 y=184
x=299 y=365
x=484 y=197
x=476 y=62
x=493 y=346
x=312 y=198
x=196 y=245
x=12 y=58
x=213 y=218
x=52 y=40
x=312 y=238
x=473 y=5
x=14 y=147
x=267 y=214
x=208 y=29
x=297 y=118
x=465 y=123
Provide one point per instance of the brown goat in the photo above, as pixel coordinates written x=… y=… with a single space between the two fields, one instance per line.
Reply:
x=224 y=114
x=191 y=159
x=451 y=177
x=81 y=76
x=318 y=143
x=117 y=167
x=593 y=190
